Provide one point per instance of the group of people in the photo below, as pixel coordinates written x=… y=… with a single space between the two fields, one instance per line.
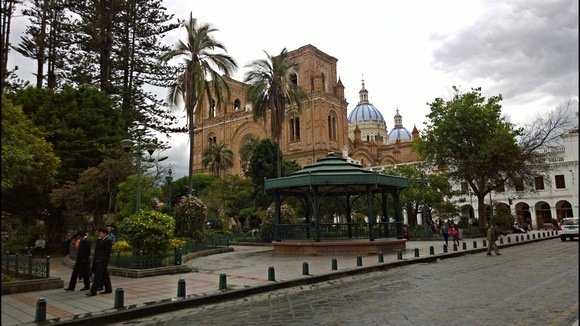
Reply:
x=446 y=230
x=100 y=262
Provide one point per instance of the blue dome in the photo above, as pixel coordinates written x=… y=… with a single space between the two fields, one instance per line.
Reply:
x=399 y=133
x=365 y=112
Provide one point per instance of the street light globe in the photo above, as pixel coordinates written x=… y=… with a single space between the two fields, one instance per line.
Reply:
x=127 y=144
x=151 y=147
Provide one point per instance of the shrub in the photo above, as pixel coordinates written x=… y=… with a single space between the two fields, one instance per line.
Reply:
x=177 y=243
x=122 y=246
x=190 y=216
x=287 y=216
x=148 y=231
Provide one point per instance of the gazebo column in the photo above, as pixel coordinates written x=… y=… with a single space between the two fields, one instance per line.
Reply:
x=398 y=213
x=370 y=213
x=315 y=208
x=277 y=216
x=348 y=217
x=385 y=213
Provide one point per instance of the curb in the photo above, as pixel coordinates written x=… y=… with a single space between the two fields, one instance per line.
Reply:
x=114 y=315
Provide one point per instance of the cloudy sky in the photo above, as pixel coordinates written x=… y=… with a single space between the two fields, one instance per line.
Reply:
x=409 y=52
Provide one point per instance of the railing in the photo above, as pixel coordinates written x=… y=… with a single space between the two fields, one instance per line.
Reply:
x=139 y=260
x=25 y=266
x=339 y=231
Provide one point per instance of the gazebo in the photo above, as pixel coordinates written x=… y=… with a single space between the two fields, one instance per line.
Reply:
x=337 y=179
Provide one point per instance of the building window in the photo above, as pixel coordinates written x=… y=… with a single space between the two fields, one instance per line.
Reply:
x=212 y=140
x=294 y=129
x=500 y=188
x=294 y=79
x=212 y=109
x=237 y=105
x=464 y=187
x=519 y=184
x=560 y=181
x=539 y=183
x=331 y=127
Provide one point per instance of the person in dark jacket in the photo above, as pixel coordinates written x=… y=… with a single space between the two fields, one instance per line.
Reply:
x=101 y=259
x=82 y=262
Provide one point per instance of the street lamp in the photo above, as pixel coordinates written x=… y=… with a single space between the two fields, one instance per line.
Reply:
x=127 y=144
x=169 y=178
x=471 y=210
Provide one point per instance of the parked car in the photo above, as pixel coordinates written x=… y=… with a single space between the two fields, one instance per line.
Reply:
x=569 y=228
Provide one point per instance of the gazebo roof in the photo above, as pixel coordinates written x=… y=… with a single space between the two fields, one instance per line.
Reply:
x=333 y=175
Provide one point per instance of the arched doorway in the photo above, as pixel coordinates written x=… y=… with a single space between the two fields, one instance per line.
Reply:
x=564 y=209
x=523 y=214
x=543 y=214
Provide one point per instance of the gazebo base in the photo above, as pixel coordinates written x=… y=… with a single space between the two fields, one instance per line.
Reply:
x=338 y=247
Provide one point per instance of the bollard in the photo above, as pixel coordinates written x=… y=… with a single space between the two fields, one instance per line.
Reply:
x=381 y=257
x=500 y=240
x=416 y=252
x=455 y=247
x=119 y=298
x=444 y=248
x=359 y=260
x=464 y=245
x=431 y=250
x=334 y=264
x=509 y=240
x=484 y=242
x=271 y=274
x=305 y=268
x=399 y=254
x=40 y=310
x=223 y=284
x=181 y=288
x=474 y=244
x=528 y=237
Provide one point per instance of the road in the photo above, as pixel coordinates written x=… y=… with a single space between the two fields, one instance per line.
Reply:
x=533 y=284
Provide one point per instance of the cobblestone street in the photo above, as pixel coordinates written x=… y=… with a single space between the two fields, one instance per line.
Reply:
x=535 y=284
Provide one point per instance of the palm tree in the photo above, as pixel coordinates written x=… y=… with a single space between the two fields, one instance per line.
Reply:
x=218 y=156
x=247 y=148
x=272 y=89
x=198 y=75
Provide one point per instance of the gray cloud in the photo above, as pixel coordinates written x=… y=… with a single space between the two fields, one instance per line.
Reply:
x=522 y=46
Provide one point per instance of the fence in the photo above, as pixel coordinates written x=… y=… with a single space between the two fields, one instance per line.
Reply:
x=24 y=266
x=339 y=231
x=139 y=260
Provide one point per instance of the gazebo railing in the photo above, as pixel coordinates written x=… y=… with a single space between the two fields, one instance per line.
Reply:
x=338 y=231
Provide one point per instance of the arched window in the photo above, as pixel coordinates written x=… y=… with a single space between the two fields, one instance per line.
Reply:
x=331 y=127
x=212 y=139
x=294 y=79
x=323 y=82
x=294 y=129
x=237 y=105
x=212 y=108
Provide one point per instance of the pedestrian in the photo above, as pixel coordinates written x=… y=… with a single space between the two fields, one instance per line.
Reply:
x=94 y=263
x=492 y=238
x=102 y=256
x=111 y=235
x=445 y=233
x=82 y=262
x=455 y=234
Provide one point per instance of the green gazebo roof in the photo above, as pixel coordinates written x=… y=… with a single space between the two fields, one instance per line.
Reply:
x=333 y=175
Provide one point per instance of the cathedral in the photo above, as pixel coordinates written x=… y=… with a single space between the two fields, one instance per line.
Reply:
x=323 y=126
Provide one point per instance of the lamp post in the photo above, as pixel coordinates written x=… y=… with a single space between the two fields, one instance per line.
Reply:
x=471 y=213
x=127 y=144
x=423 y=210
x=169 y=178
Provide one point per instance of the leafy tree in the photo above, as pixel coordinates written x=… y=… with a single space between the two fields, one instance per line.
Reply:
x=467 y=136
x=27 y=158
x=148 y=231
x=196 y=76
x=127 y=197
x=82 y=123
x=272 y=89
x=218 y=157
x=190 y=218
x=247 y=149
x=230 y=196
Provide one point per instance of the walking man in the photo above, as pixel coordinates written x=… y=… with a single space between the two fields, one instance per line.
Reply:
x=492 y=238
x=102 y=256
x=82 y=262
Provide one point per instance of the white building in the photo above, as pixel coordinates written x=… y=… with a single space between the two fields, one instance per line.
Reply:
x=554 y=198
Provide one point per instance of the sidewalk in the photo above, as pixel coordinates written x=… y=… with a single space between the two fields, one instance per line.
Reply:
x=247 y=271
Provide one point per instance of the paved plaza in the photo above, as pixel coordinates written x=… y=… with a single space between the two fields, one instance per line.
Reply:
x=245 y=271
